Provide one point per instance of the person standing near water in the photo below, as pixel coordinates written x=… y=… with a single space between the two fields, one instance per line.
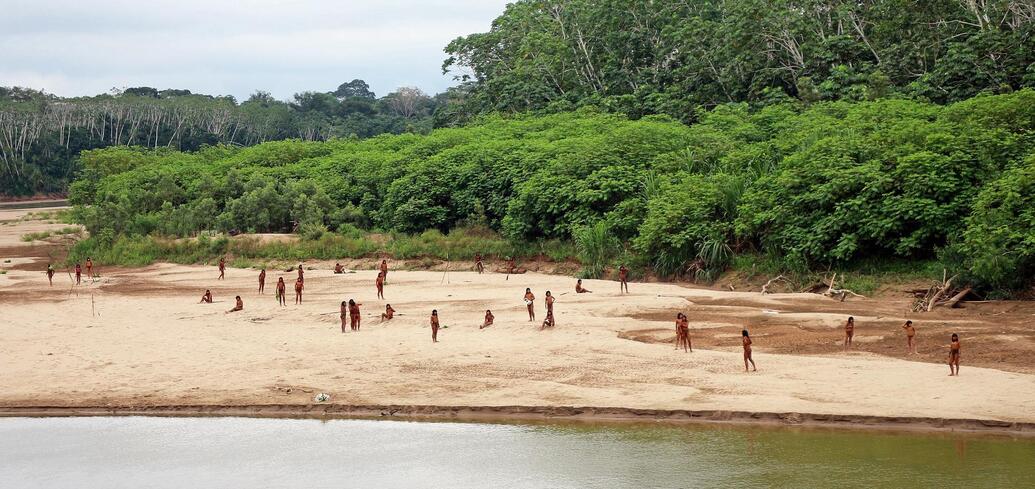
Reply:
x=281 y=291
x=380 y=284
x=623 y=279
x=910 y=337
x=222 y=268
x=954 y=355
x=262 y=280
x=434 y=326
x=530 y=304
x=746 y=341
x=849 y=332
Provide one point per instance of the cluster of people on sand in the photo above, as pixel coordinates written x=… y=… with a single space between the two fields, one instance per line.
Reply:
x=954 y=343
x=78 y=280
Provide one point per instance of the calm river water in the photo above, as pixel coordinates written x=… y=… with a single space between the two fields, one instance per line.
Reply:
x=196 y=453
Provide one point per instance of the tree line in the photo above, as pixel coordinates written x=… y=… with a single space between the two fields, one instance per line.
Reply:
x=41 y=135
x=826 y=184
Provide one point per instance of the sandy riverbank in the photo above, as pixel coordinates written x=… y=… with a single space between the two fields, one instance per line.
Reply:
x=137 y=339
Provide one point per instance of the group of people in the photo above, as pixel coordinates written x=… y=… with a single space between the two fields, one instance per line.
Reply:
x=954 y=343
x=78 y=272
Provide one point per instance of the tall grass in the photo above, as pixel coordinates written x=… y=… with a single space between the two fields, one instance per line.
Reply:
x=595 y=246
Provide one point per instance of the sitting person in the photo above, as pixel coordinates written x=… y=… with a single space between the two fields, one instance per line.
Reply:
x=579 y=289
x=207 y=297
x=237 y=307
x=488 y=319
x=338 y=268
x=548 y=322
x=388 y=314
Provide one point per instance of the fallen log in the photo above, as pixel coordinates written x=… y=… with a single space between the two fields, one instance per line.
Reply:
x=765 y=288
x=954 y=300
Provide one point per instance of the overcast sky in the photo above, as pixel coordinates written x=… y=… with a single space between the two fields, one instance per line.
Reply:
x=220 y=47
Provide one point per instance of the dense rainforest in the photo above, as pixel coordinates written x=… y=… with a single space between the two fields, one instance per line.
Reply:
x=673 y=135
x=817 y=185
x=41 y=135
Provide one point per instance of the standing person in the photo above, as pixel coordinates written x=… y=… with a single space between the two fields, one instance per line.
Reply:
x=301 y=273
x=489 y=318
x=343 y=313
x=954 y=355
x=579 y=289
x=50 y=274
x=78 y=273
x=354 y=316
x=262 y=280
x=281 y=291
x=623 y=279
x=380 y=284
x=530 y=304
x=89 y=268
x=679 y=330
x=388 y=314
x=549 y=305
x=686 y=333
x=434 y=325
x=299 y=285
x=239 y=306
x=384 y=269
x=206 y=298
x=511 y=265
x=910 y=334
x=222 y=268
x=746 y=340
x=478 y=263
x=849 y=332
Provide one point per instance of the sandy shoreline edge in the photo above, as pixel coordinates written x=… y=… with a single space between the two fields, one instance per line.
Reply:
x=539 y=413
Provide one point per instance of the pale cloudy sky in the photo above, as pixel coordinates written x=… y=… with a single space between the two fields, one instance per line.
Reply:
x=221 y=47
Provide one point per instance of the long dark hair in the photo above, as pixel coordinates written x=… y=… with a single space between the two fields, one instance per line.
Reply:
x=744 y=332
x=352 y=302
x=955 y=337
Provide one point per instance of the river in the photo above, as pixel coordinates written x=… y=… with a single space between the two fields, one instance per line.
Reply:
x=197 y=453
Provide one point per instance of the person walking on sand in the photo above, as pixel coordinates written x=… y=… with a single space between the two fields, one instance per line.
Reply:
x=579 y=289
x=281 y=291
x=623 y=279
x=530 y=304
x=384 y=269
x=89 y=268
x=849 y=332
x=954 y=355
x=388 y=314
x=478 y=263
x=434 y=325
x=239 y=306
x=206 y=298
x=222 y=268
x=299 y=285
x=380 y=284
x=344 y=312
x=262 y=280
x=50 y=274
x=78 y=273
x=910 y=337
x=354 y=315
x=746 y=341
x=489 y=318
